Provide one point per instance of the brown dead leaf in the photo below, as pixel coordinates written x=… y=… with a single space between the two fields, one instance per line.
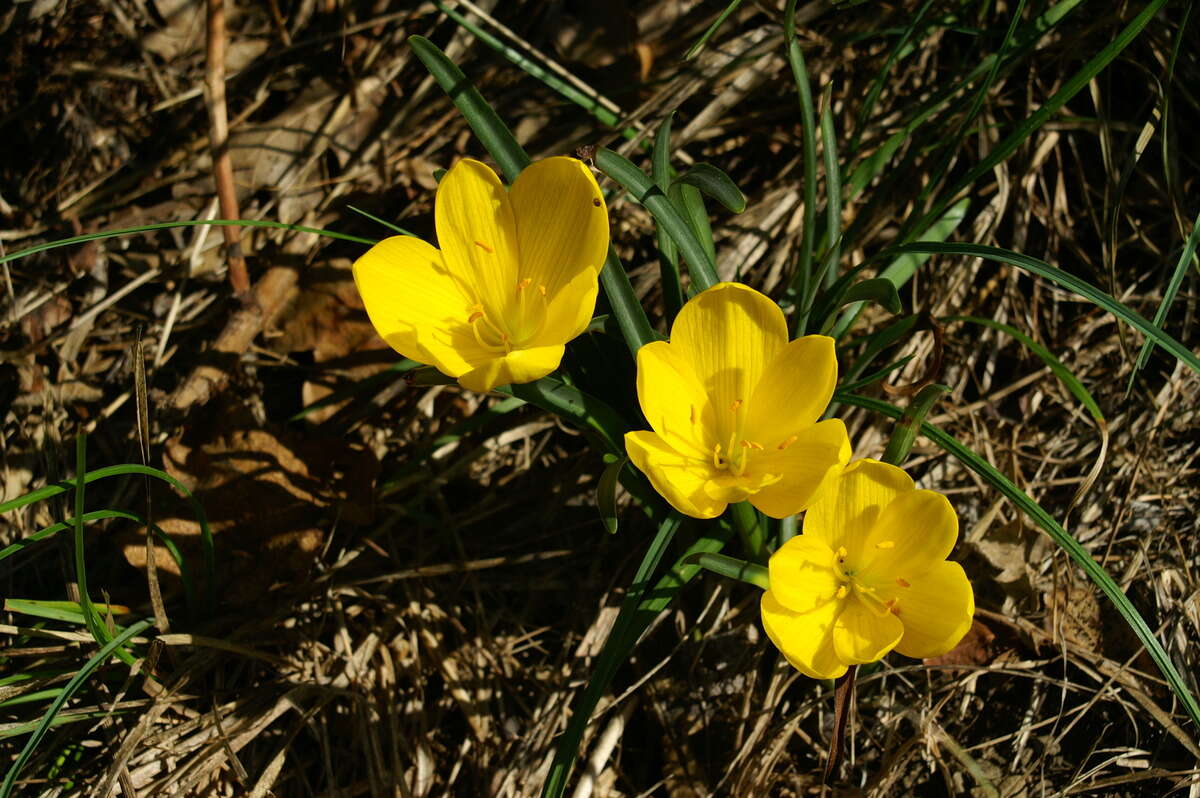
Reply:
x=329 y=320
x=268 y=494
x=1074 y=613
x=976 y=648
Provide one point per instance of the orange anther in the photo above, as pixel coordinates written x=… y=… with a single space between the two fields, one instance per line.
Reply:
x=842 y=591
x=484 y=247
x=902 y=582
x=886 y=544
x=791 y=439
x=733 y=408
x=474 y=317
x=542 y=290
x=693 y=414
x=521 y=286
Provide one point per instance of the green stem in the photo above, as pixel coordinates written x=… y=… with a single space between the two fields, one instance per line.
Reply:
x=749 y=525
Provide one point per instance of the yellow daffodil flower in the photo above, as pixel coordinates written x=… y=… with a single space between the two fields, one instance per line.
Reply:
x=514 y=281
x=734 y=408
x=868 y=574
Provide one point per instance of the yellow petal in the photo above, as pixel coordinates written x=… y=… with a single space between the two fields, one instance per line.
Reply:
x=519 y=365
x=802 y=574
x=478 y=236
x=416 y=306
x=730 y=488
x=680 y=479
x=569 y=310
x=804 y=638
x=794 y=390
x=844 y=512
x=807 y=467
x=914 y=532
x=673 y=399
x=936 y=610
x=862 y=634
x=728 y=334
x=562 y=222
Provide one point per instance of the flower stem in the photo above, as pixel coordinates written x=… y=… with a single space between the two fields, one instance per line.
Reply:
x=750 y=527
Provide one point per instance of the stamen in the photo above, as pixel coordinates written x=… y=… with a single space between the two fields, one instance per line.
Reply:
x=886 y=544
x=902 y=582
x=693 y=414
x=733 y=408
x=484 y=247
x=542 y=290
x=751 y=445
x=791 y=439
x=842 y=591
x=893 y=605
x=841 y=553
x=474 y=317
x=717 y=461
x=521 y=286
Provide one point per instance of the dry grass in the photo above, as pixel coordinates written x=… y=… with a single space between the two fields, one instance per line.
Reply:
x=426 y=637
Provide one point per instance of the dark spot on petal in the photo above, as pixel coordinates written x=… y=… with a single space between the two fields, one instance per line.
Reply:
x=596 y=202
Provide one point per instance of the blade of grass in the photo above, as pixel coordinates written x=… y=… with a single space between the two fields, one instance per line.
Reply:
x=1160 y=315
x=695 y=49
x=905 y=431
x=149 y=228
x=538 y=72
x=68 y=690
x=1064 y=280
x=1045 y=111
x=700 y=267
x=833 y=189
x=802 y=284
x=1060 y=536
x=660 y=170
x=690 y=204
x=377 y=220
x=91 y=618
x=484 y=121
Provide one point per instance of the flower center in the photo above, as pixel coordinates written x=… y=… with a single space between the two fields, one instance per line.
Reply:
x=513 y=326
x=734 y=454
x=868 y=594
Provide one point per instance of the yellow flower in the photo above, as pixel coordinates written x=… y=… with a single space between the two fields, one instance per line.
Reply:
x=869 y=574
x=514 y=281
x=734 y=408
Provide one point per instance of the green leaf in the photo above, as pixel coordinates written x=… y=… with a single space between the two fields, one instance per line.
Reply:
x=803 y=285
x=700 y=265
x=1046 y=109
x=1060 y=370
x=1059 y=535
x=833 y=191
x=1160 y=315
x=732 y=568
x=660 y=170
x=905 y=431
x=695 y=49
x=606 y=492
x=1064 y=280
x=68 y=690
x=641 y=606
x=492 y=133
x=584 y=410
x=878 y=289
x=716 y=184
x=901 y=270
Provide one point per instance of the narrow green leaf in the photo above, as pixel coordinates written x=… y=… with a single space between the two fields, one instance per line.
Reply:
x=878 y=289
x=901 y=270
x=803 y=286
x=690 y=203
x=492 y=133
x=695 y=49
x=1059 y=535
x=1047 y=109
x=68 y=690
x=92 y=618
x=1064 y=280
x=716 y=184
x=634 y=180
x=905 y=431
x=732 y=568
x=833 y=191
x=606 y=492
x=63 y=611
x=150 y=228
x=660 y=171
x=584 y=410
x=1060 y=370
x=1160 y=315
x=377 y=220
